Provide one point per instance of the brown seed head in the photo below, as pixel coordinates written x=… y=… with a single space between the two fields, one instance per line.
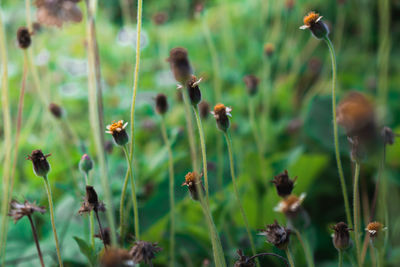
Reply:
x=243 y=260
x=180 y=65
x=341 y=236
x=41 y=166
x=161 y=104
x=143 y=251
x=18 y=210
x=23 y=37
x=251 y=82
x=284 y=185
x=56 y=110
x=277 y=235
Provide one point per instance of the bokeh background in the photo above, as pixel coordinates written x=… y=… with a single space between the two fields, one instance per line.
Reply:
x=225 y=40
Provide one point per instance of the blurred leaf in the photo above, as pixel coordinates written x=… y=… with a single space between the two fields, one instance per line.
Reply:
x=87 y=250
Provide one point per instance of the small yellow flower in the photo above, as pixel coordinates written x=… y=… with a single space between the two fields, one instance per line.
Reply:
x=116 y=127
x=117 y=130
x=374 y=228
x=310 y=19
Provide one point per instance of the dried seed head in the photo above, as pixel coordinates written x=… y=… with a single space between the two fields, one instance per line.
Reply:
x=117 y=130
x=143 y=251
x=375 y=229
x=284 y=185
x=388 y=136
x=193 y=90
x=116 y=257
x=106 y=235
x=56 y=110
x=341 y=236
x=243 y=260
x=91 y=202
x=23 y=37
x=313 y=22
x=192 y=181
x=85 y=164
x=160 y=18
x=251 y=82
x=18 y=210
x=221 y=114
x=269 y=49
x=57 y=12
x=291 y=205
x=204 y=109
x=180 y=65
x=161 y=104
x=277 y=235
x=41 y=166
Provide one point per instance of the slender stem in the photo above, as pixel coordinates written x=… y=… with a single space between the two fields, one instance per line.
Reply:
x=203 y=149
x=335 y=133
x=356 y=211
x=244 y=217
x=270 y=254
x=53 y=225
x=290 y=257
x=253 y=124
x=35 y=237
x=306 y=248
x=100 y=228
x=134 y=198
x=91 y=219
x=171 y=192
x=340 y=261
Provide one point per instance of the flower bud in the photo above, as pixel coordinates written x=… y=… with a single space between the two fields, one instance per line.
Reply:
x=86 y=163
x=251 y=82
x=221 y=114
x=56 y=110
x=23 y=38
x=277 y=235
x=284 y=185
x=41 y=166
x=194 y=90
x=313 y=22
x=161 y=104
x=117 y=130
x=180 y=65
x=341 y=236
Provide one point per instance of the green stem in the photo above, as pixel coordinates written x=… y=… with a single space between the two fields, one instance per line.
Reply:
x=335 y=133
x=253 y=124
x=290 y=257
x=203 y=149
x=306 y=248
x=53 y=225
x=340 y=261
x=244 y=217
x=35 y=237
x=134 y=198
x=356 y=212
x=171 y=191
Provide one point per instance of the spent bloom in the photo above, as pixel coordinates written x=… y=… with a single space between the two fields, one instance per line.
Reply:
x=221 y=114
x=57 y=12
x=193 y=90
x=180 y=65
x=91 y=202
x=143 y=251
x=193 y=181
x=284 y=185
x=117 y=130
x=313 y=22
x=290 y=205
x=277 y=235
x=24 y=37
x=41 y=166
x=204 y=109
x=243 y=260
x=341 y=236
x=388 y=136
x=56 y=110
x=161 y=104
x=19 y=210
x=374 y=229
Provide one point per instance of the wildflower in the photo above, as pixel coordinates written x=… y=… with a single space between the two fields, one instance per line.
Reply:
x=116 y=257
x=56 y=110
x=375 y=231
x=143 y=251
x=86 y=163
x=243 y=260
x=251 y=82
x=159 y=18
x=269 y=49
x=284 y=185
x=193 y=181
x=117 y=130
x=41 y=166
x=313 y=22
x=24 y=37
x=91 y=202
x=341 y=236
x=18 y=210
x=105 y=236
x=180 y=65
x=290 y=205
x=161 y=104
x=277 y=235
x=204 y=109
x=193 y=90
x=221 y=114
x=388 y=136
x=57 y=12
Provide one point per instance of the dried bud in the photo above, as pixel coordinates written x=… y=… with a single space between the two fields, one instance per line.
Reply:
x=277 y=235
x=251 y=82
x=23 y=38
x=91 y=202
x=221 y=114
x=193 y=90
x=388 y=136
x=341 y=236
x=204 y=109
x=18 y=210
x=313 y=22
x=117 y=130
x=193 y=181
x=41 y=166
x=144 y=252
x=161 y=104
x=243 y=260
x=160 y=18
x=180 y=65
x=291 y=205
x=85 y=164
x=106 y=235
x=56 y=110
x=284 y=185
x=116 y=257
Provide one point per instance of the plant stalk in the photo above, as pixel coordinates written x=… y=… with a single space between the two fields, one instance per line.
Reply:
x=35 y=237
x=356 y=212
x=96 y=212
x=290 y=257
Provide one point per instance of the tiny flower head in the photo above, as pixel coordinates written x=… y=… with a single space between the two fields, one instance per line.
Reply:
x=91 y=202
x=243 y=260
x=180 y=65
x=341 y=236
x=313 y=22
x=277 y=235
x=193 y=182
x=284 y=185
x=19 y=210
x=251 y=82
x=143 y=251
x=159 y=18
x=41 y=166
x=193 y=90
x=374 y=229
x=24 y=37
x=56 y=110
x=86 y=163
x=161 y=104
x=221 y=114
x=117 y=130
x=290 y=205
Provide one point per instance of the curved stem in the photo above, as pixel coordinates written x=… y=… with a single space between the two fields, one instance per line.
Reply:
x=203 y=149
x=306 y=248
x=53 y=225
x=335 y=134
x=35 y=237
x=100 y=228
x=290 y=257
x=340 y=261
x=244 y=217
x=356 y=212
x=270 y=254
x=171 y=191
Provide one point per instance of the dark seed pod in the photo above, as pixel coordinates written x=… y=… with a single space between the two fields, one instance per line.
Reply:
x=251 y=82
x=180 y=65
x=24 y=38
x=194 y=90
x=284 y=185
x=56 y=110
x=341 y=236
x=144 y=252
x=161 y=104
x=41 y=166
x=277 y=235
x=388 y=136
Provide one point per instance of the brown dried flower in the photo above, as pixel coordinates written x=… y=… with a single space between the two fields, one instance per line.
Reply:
x=204 y=109
x=57 y=12
x=105 y=236
x=180 y=65
x=277 y=235
x=192 y=181
x=18 y=210
x=161 y=104
x=23 y=37
x=56 y=110
x=143 y=251
x=251 y=82
x=243 y=260
x=91 y=202
x=388 y=136
x=41 y=166
x=221 y=114
x=341 y=236
x=284 y=185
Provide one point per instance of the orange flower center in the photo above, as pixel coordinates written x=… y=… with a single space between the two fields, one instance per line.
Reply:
x=116 y=125
x=311 y=18
x=191 y=177
x=374 y=226
x=220 y=109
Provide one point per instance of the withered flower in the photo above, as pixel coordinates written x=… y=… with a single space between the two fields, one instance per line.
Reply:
x=193 y=90
x=117 y=130
x=41 y=166
x=161 y=104
x=374 y=229
x=116 y=257
x=18 y=210
x=388 y=136
x=269 y=49
x=243 y=260
x=313 y=22
x=251 y=82
x=284 y=185
x=91 y=202
x=143 y=251
x=193 y=181
x=204 y=109
x=57 y=12
x=180 y=65
x=105 y=236
x=56 y=110
x=221 y=114
x=277 y=235
x=291 y=205
x=23 y=37
x=341 y=236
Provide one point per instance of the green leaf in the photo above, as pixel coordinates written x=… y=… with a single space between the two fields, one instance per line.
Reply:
x=86 y=250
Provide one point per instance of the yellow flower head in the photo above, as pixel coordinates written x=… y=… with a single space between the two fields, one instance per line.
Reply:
x=311 y=18
x=116 y=127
